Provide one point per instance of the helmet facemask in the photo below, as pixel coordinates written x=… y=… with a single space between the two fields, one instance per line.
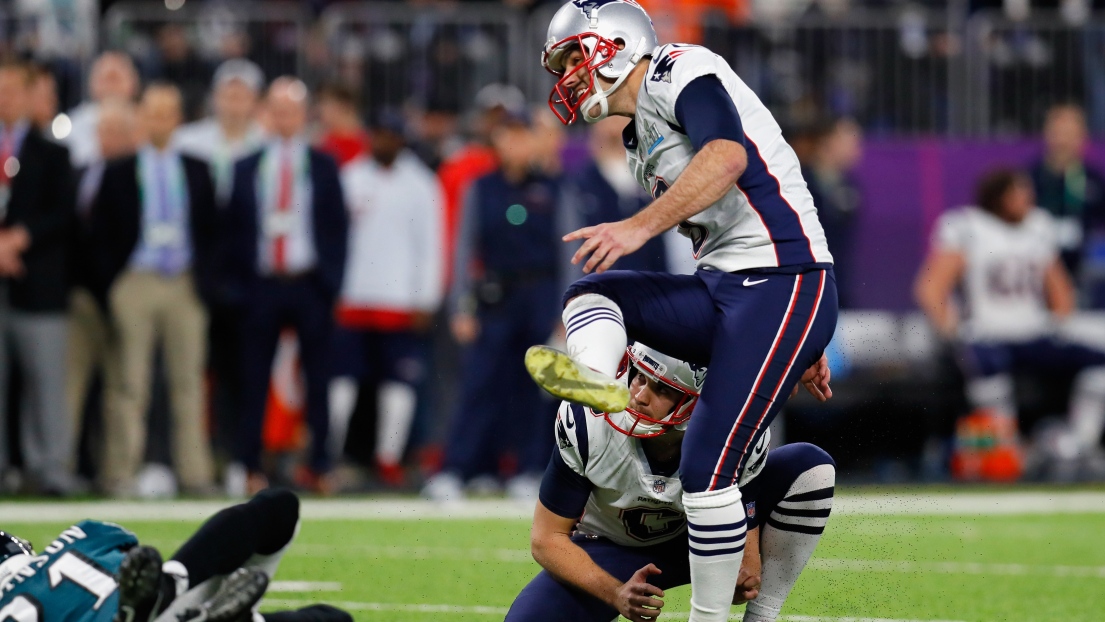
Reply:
x=639 y=425
x=598 y=53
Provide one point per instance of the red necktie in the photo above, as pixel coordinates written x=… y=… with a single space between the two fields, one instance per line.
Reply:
x=283 y=206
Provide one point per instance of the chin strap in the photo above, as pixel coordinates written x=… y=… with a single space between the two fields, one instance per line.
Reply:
x=599 y=96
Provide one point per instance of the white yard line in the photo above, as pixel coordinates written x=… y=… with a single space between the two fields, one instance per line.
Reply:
x=291 y=587
x=369 y=551
x=830 y=619
x=522 y=556
x=412 y=608
x=946 y=504
x=973 y=568
x=500 y=611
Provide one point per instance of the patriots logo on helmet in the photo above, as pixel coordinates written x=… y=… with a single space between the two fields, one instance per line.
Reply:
x=659 y=486
x=586 y=6
x=699 y=374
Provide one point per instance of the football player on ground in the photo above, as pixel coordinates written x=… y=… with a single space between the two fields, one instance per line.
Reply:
x=762 y=306
x=98 y=572
x=619 y=472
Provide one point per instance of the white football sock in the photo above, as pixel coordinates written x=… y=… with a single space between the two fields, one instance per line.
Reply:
x=716 y=531
x=198 y=594
x=1087 y=408
x=788 y=539
x=342 y=400
x=396 y=402
x=596 y=332
x=179 y=573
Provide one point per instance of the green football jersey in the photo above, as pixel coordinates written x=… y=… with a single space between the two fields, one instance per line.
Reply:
x=72 y=579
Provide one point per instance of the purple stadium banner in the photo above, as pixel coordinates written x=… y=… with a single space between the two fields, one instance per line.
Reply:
x=906 y=184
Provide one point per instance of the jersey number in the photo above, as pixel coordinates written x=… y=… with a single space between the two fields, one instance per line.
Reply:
x=22 y=609
x=74 y=567
x=646 y=524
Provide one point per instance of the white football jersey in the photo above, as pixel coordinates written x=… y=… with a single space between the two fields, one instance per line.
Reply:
x=1003 y=286
x=629 y=504
x=768 y=218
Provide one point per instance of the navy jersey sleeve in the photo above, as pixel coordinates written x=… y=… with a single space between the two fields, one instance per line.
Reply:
x=705 y=112
x=563 y=491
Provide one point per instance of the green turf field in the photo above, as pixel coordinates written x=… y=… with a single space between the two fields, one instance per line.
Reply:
x=971 y=568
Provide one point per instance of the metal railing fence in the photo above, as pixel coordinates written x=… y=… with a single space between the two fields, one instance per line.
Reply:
x=901 y=71
x=184 y=44
x=435 y=59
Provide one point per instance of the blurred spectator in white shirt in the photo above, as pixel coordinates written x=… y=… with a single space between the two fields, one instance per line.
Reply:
x=229 y=134
x=113 y=76
x=394 y=283
x=232 y=131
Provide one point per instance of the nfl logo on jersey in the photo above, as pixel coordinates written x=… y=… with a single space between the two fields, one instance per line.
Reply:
x=658 y=486
x=750 y=509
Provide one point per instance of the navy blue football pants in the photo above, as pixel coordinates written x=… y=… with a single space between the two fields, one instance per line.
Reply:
x=1048 y=355
x=545 y=599
x=757 y=331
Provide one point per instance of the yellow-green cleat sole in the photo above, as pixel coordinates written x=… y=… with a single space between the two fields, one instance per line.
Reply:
x=556 y=372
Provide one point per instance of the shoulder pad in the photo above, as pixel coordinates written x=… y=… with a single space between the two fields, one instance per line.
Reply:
x=674 y=67
x=572 y=438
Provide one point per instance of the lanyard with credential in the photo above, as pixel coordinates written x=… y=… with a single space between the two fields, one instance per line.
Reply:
x=1074 y=186
x=162 y=228
x=269 y=186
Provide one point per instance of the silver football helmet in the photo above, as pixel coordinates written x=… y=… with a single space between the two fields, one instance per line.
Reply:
x=684 y=378
x=612 y=35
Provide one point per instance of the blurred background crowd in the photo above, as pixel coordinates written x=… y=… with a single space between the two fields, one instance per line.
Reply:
x=308 y=243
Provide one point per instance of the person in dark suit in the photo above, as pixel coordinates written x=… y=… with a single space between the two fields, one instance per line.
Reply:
x=838 y=197
x=154 y=228
x=286 y=243
x=1073 y=191
x=89 y=352
x=36 y=210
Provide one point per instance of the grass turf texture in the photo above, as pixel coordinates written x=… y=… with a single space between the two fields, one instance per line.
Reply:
x=978 y=568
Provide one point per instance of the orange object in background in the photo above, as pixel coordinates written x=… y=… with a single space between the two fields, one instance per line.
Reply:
x=284 y=429
x=987 y=448
x=680 y=21
x=456 y=175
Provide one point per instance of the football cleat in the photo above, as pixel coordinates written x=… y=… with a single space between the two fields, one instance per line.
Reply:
x=557 y=373
x=139 y=578
x=234 y=600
